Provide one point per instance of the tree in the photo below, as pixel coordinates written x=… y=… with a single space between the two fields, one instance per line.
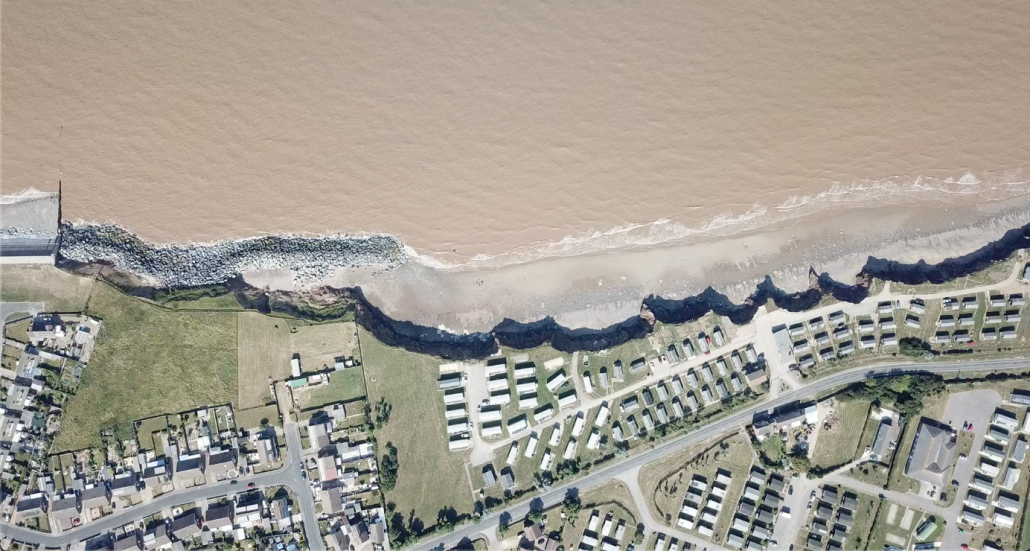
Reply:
x=388 y=468
x=572 y=506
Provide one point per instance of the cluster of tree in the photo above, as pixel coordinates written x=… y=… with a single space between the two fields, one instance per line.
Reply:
x=382 y=413
x=401 y=536
x=916 y=348
x=571 y=506
x=388 y=468
x=905 y=392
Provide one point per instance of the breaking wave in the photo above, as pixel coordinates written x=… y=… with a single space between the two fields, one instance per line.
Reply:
x=860 y=194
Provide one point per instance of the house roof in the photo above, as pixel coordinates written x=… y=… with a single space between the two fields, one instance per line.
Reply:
x=218 y=516
x=186 y=526
x=95 y=497
x=127 y=542
x=932 y=453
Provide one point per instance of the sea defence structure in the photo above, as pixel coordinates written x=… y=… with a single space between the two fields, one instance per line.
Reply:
x=29 y=228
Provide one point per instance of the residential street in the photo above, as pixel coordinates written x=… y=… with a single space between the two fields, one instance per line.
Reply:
x=288 y=475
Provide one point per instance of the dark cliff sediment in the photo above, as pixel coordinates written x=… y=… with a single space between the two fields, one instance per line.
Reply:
x=328 y=303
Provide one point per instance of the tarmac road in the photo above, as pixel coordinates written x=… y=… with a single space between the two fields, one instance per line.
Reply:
x=288 y=475
x=555 y=495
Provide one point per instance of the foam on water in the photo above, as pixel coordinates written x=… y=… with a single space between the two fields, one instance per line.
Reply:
x=893 y=191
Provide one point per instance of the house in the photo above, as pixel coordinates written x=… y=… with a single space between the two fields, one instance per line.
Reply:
x=1002 y=519
x=124 y=484
x=220 y=462
x=65 y=512
x=280 y=509
x=127 y=542
x=339 y=540
x=157 y=537
x=1019 y=450
x=1020 y=397
x=189 y=467
x=885 y=439
x=219 y=518
x=933 y=453
x=95 y=496
x=187 y=526
x=830 y=494
x=30 y=506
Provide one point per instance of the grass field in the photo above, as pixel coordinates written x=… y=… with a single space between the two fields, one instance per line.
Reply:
x=266 y=345
x=59 y=291
x=838 y=445
x=250 y=418
x=430 y=477
x=343 y=386
x=319 y=345
x=148 y=361
x=610 y=497
x=147 y=428
x=264 y=353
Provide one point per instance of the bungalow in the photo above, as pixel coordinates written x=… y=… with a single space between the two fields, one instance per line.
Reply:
x=706 y=394
x=1011 y=477
x=692 y=379
x=450 y=381
x=735 y=540
x=801 y=347
x=547 y=461
x=556 y=380
x=455 y=411
x=736 y=360
x=1002 y=519
x=491 y=429
x=845 y=348
x=1005 y=419
x=746 y=509
x=720 y=364
x=524 y=370
x=942 y=336
x=528 y=401
x=735 y=383
x=989 y=334
x=570 y=449
x=1008 y=332
x=976 y=500
x=677 y=385
x=489 y=413
x=749 y=351
x=1009 y=502
x=605 y=381
x=1019 y=450
x=456 y=396
x=912 y=321
x=992 y=317
x=846 y=517
x=997 y=300
x=648 y=421
x=885 y=307
x=842 y=332
x=498 y=382
x=829 y=494
x=720 y=388
x=497 y=398
x=677 y=408
x=887 y=324
x=706 y=373
x=1016 y=300
x=1013 y=316
x=594 y=440
x=797 y=329
x=638 y=365
x=867 y=342
x=966 y=320
x=619 y=376
x=806 y=361
x=567 y=399
x=663 y=416
x=531 y=445
x=579 y=424
x=776 y=483
x=836 y=317
x=507 y=479
x=961 y=335
x=513 y=453
x=755 y=377
x=983 y=483
x=631 y=424
x=971 y=517
x=602 y=415
x=688 y=348
x=281 y=513
x=822 y=338
x=993 y=450
x=916 y=305
x=816 y=323
x=888 y=339
x=946 y=321
x=692 y=401
x=523 y=386
x=717 y=336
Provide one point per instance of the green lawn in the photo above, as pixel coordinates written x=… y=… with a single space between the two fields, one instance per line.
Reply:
x=148 y=360
x=344 y=386
x=429 y=477
x=59 y=291
x=838 y=445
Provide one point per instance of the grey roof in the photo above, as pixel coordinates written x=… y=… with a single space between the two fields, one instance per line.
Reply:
x=187 y=526
x=932 y=453
x=95 y=497
x=127 y=542
x=218 y=516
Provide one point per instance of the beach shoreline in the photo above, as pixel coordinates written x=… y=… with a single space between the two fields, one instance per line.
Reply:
x=592 y=292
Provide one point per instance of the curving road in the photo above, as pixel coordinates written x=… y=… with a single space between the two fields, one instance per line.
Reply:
x=555 y=495
x=288 y=475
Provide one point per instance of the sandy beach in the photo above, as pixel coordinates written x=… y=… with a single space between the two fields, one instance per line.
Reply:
x=595 y=291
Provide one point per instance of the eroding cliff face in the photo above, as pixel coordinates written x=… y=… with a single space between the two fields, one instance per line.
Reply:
x=328 y=303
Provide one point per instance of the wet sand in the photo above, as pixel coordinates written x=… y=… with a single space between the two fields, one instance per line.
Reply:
x=595 y=291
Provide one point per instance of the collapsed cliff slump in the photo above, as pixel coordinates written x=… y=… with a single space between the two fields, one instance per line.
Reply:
x=327 y=303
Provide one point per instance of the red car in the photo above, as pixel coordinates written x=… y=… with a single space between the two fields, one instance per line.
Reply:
x=964 y=546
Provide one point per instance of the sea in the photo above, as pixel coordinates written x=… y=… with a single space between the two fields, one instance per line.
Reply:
x=491 y=134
